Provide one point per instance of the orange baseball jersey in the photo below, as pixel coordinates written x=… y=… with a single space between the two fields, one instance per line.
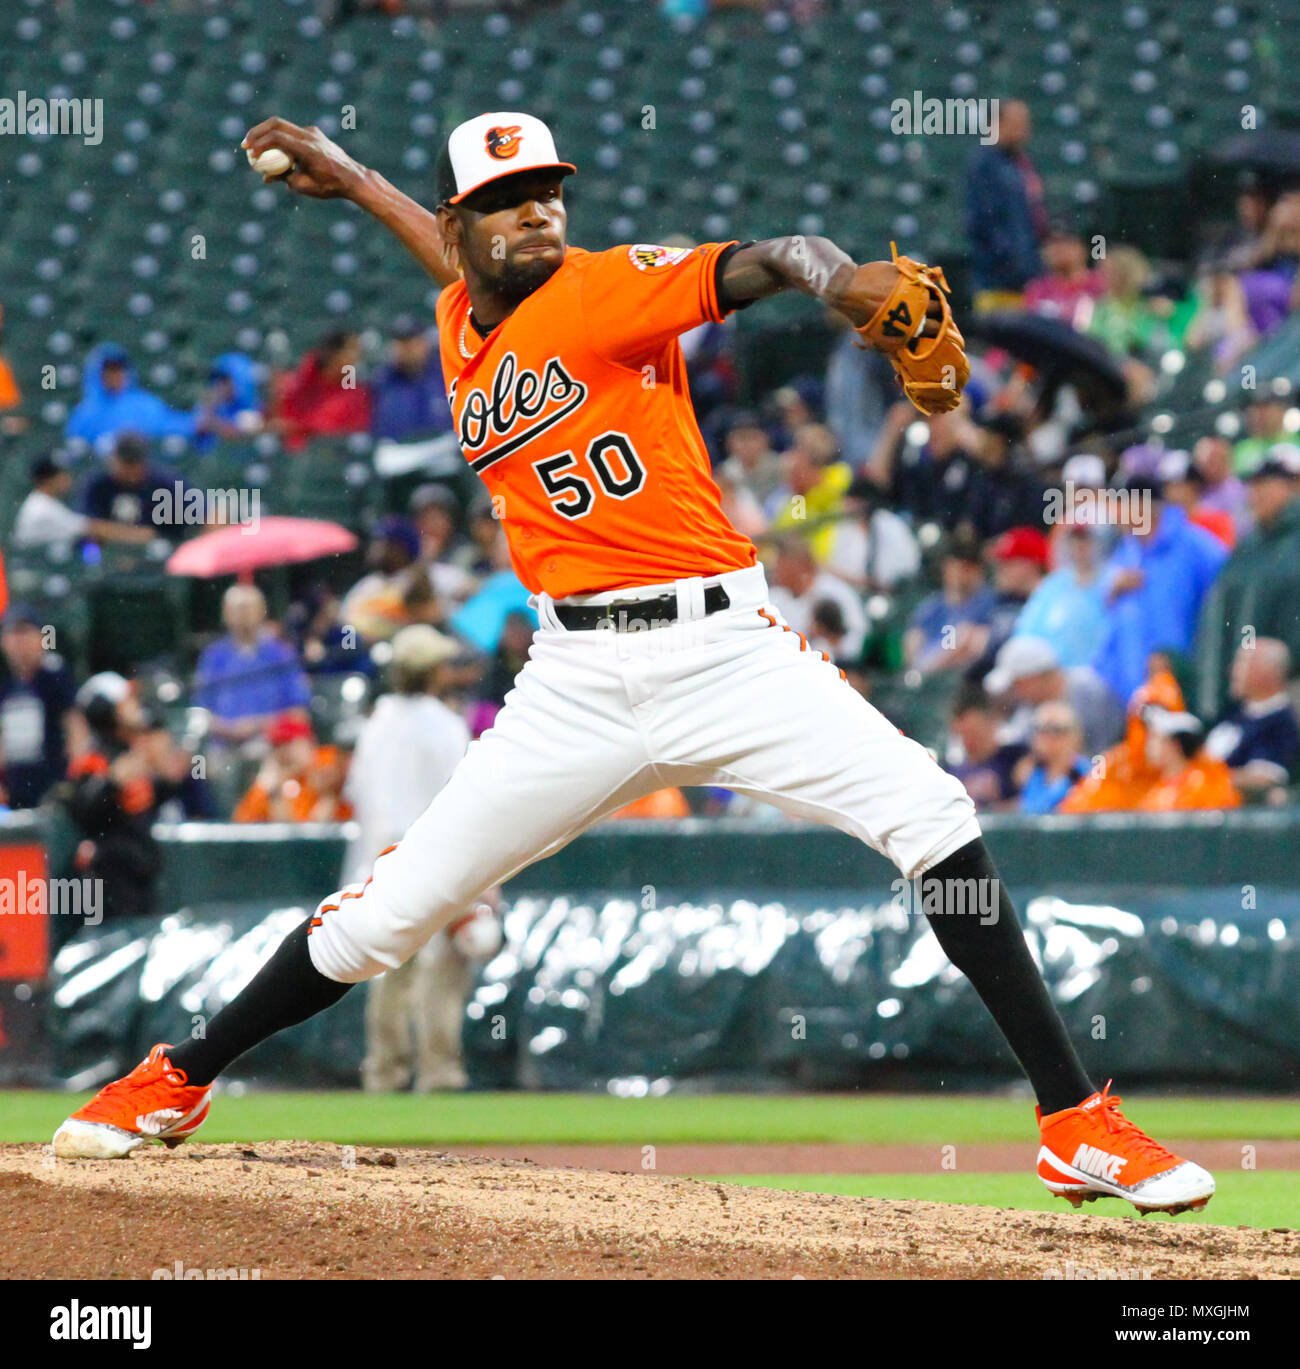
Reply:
x=575 y=410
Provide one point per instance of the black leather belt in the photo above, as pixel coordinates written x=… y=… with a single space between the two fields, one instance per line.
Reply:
x=634 y=615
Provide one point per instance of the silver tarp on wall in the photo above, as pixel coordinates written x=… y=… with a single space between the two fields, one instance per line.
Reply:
x=1157 y=986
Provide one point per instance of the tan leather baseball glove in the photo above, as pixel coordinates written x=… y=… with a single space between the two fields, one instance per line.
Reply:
x=933 y=369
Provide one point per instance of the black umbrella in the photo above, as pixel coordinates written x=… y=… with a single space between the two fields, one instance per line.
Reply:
x=1059 y=354
x=1270 y=151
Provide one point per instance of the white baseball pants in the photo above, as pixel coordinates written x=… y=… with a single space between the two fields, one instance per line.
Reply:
x=598 y=718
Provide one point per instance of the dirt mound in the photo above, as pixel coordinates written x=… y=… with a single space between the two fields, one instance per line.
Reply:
x=822 y=1157
x=296 y=1210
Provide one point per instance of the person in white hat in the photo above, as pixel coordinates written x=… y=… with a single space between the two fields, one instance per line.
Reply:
x=1029 y=670
x=122 y=768
x=406 y=752
x=1188 y=777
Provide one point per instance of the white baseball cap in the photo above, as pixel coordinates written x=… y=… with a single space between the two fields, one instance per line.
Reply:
x=1282 y=459
x=108 y=684
x=1166 y=723
x=1084 y=471
x=1176 y=465
x=420 y=647
x=490 y=146
x=1017 y=659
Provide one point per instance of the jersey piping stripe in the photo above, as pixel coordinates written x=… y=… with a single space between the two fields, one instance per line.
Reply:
x=803 y=641
x=334 y=907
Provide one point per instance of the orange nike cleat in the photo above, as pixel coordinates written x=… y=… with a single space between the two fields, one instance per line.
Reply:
x=152 y=1103
x=1094 y=1151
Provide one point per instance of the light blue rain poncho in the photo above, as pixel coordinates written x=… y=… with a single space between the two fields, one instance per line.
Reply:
x=131 y=410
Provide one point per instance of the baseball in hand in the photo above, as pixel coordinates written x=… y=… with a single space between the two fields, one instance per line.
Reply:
x=272 y=162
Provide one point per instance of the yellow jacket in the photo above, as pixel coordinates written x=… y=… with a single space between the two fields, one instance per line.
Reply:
x=814 y=513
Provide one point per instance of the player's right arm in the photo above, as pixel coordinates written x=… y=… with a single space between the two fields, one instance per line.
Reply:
x=322 y=170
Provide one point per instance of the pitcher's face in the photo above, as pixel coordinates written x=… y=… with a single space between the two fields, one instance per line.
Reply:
x=511 y=234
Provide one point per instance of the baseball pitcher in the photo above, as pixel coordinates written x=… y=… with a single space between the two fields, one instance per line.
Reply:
x=660 y=659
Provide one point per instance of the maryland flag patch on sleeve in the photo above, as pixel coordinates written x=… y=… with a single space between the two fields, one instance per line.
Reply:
x=647 y=257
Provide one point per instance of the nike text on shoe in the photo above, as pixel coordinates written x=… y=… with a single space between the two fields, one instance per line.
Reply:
x=1094 y=1151
x=152 y=1103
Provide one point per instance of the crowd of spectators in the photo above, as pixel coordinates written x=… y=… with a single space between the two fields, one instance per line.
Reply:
x=1077 y=562
x=325 y=394
x=1050 y=631
x=1042 y=600
x=1241 y=289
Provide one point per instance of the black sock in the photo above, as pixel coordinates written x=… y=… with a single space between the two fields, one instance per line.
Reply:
x=287 y=990
x=994 y=957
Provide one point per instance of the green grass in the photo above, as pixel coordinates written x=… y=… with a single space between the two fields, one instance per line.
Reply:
x=1263 y=1199
x=565 y=1118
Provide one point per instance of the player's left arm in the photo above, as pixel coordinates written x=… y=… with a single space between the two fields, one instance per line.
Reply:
x=899 y=307
x=813 y=266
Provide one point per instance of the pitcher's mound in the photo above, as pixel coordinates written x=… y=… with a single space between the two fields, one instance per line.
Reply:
x=296 y=1210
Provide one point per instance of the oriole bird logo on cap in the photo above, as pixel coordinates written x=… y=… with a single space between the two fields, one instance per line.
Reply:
x=503 y=143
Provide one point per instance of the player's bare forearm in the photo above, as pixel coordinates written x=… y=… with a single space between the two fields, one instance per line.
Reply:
x=322 y=170
x=813 y=266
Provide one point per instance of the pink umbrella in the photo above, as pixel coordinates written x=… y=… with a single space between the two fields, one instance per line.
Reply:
x=240 y=549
